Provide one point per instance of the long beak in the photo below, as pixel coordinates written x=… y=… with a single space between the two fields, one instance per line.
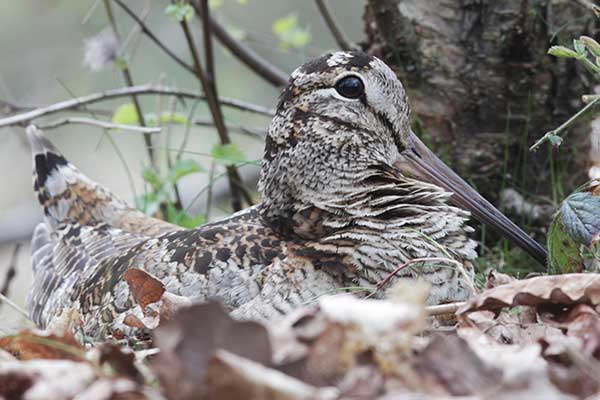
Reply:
x=421 y=163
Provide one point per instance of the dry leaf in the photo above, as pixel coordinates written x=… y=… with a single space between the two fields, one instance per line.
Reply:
x=191 y=338
x=145 y=288
x=565 y=289
x=28 y=345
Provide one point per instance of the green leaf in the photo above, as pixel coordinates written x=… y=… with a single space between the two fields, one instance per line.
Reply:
x=180 y=11
x=173 y=118
x=183 y=168
x=591 y=45
x=561 y=51
x=579 y=47
x=581 y=217
x=227 y=154
x=152 y=177
x=290 y=33
x=121 y=63
x=181 y=218
x=555 y=140
x=126 y=114
x=214 y=4
x=563 y=252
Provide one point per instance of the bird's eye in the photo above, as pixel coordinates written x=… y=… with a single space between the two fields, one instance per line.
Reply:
x=350 y=87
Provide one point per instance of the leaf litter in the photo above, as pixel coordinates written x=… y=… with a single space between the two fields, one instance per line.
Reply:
x=531 y=338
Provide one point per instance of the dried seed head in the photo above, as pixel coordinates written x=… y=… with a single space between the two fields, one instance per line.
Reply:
x=101 y=50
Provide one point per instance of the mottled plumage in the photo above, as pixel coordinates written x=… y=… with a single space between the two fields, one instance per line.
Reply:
x=338 y=209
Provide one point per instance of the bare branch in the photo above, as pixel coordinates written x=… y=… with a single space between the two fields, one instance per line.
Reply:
x=444 y=309
x=99 y=124
x=214 y=107
x=335 y=30
x=26 y=117
x=245 y=54
x=11 y=271
x=153 y=37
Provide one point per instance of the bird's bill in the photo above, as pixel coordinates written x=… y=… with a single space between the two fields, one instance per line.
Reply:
x=421 y=163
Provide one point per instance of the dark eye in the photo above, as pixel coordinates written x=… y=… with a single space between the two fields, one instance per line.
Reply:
x=350 y=87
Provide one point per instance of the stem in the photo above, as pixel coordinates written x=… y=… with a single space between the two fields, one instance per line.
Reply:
x=100 y=124
x=245 y=54
x=129 y=82
x=334 y=28
x=79 y=102
x=213 y=102
x=414 y=261
x=153 y=37
x=567 y=124
x=444 y=309
x=11 y=271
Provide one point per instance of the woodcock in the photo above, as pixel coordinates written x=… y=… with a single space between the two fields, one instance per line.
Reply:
x=349 y=193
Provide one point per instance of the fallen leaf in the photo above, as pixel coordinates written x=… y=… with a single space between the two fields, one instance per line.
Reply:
x=145 y=288
x=189 y=341
x=229 y=376
x=28 y=345
x=450 y=362
x=565 y=289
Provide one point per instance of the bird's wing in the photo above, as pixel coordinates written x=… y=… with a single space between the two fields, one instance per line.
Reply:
x=63 y=259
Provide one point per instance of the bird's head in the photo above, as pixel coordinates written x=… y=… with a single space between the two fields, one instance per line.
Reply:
x=342 y=124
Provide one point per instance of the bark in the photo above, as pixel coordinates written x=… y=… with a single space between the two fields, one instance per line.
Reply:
x=481 y=85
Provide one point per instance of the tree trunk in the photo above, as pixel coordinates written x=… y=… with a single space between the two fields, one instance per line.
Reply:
x=482 y=87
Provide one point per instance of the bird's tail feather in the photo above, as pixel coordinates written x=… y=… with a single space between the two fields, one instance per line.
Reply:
x=70 y=197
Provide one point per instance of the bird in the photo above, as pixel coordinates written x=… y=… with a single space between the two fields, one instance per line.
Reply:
x=348 y=194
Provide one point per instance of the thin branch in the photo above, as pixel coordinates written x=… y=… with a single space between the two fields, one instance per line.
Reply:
x=567 y=124
x=215 y=109
x=208 y=47
x=153 y=37
x=129 y=82
x=444 y=309
x=13 y=305
x=334 y=28
x=100 y=124
x=245 y=54
x=411 y=262
x=11 y=271
x=26 y=117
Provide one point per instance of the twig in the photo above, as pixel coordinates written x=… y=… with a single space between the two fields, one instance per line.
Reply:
x=213 y=103
x=245 y=54
x=100 y=124
x=129 y=82
x=153 y=37
x=444 y=309
x=13 y=108
x=411 y=262
x=26 y=117
x=13 y=305
x=11 y=271
x=567 y=124
x=337 y=33
x=209 y=194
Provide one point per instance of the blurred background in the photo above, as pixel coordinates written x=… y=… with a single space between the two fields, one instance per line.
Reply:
x=481 y=85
